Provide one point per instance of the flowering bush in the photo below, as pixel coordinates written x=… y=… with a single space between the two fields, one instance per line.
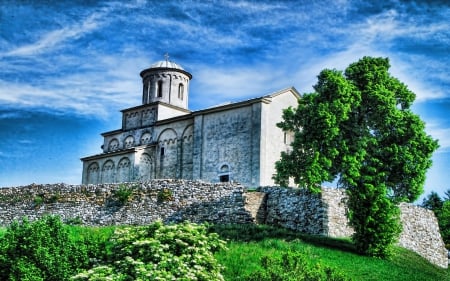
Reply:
x=160 y=252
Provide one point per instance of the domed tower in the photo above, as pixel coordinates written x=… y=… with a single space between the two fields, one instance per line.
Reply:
x=167 y=82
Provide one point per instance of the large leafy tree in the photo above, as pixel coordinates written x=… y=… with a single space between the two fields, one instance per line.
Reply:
x=357 y=128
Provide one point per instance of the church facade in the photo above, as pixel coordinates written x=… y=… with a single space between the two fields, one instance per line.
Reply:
x=162 y=138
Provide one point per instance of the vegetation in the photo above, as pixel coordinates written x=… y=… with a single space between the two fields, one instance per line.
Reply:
x=164 y=195
x=123 y=194
x=185 y=252
x=245 y=253
x=441 y=208
x=41 y=250
x=357 y=129
x=160 y=252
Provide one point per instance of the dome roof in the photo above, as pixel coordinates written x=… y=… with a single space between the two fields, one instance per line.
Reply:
x=166 y=64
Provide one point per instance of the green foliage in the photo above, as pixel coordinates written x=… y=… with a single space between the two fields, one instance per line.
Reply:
x=444 y=221
x=358 y=128
x=38 y=201
x=160 y=252
x=41 y=250
x=243 y=258
x=164 y=195
x=123 y=194
x=375 y=219
x=294 y=266
x=433 y=202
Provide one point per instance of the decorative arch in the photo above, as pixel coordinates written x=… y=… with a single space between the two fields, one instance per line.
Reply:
x=108 y=172
x=167 y=154
x=93 y=173
x=146 y=138
x=113 y=145
x=167 y=136
x=128 y=142
x=124 y=170
x=146 y=167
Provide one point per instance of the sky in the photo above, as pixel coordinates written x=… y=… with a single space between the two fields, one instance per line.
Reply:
x=67 y=68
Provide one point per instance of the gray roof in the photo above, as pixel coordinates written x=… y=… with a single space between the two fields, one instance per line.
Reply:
x=166 y=64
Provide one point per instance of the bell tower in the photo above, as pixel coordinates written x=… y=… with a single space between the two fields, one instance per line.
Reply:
x=166 y=82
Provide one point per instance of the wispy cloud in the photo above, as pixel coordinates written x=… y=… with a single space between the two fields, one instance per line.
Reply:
x=53 y=38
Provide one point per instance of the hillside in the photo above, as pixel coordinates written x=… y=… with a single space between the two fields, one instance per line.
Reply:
x=248 y=244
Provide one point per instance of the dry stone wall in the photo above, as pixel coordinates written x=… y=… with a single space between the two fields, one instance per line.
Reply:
x=222 y=203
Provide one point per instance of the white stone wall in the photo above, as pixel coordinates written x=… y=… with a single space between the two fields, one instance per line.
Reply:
x=273 y=139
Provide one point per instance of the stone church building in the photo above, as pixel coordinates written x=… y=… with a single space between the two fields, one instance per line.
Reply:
x=162 y=138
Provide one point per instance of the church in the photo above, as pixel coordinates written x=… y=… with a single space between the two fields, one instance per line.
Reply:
x=163 y=139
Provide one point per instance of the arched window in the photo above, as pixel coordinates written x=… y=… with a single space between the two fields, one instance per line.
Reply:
x=224 y=173
x=160 y=83
x=180 y=91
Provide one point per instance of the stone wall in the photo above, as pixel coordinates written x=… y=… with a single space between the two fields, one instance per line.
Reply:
x=100 y=204
x=223 y=203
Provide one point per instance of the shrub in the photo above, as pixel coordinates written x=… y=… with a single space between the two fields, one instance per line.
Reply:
x=160 y=252
x=294 y=266
x=41 y=250
x=164 y=195
x=123 y=194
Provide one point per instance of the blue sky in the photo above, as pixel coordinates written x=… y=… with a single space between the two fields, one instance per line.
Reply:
x=68 y=67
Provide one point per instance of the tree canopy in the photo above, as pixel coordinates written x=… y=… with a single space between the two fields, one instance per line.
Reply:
x=358 y=129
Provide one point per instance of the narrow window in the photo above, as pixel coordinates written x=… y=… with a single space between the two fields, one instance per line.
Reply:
x=160 y=89
x=162 y=151
x=180 y=91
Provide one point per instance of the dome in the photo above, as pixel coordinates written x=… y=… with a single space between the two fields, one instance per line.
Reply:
x=166 y=64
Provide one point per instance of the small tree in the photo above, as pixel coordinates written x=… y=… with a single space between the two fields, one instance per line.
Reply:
x=357 y=128
x=444 y=222
x=433 y=202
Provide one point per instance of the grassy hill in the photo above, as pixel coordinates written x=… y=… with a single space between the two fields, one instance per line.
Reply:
x=248 y=244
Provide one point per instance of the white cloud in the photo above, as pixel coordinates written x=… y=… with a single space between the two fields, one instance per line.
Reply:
x=54 y=38
x=438 y=130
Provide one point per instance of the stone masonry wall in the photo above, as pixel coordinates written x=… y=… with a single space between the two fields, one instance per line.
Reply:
x=222 y=203
x=98 y=204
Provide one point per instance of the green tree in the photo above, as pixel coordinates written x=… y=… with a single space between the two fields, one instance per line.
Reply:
x=357 y=128
x=444 y=222
x=433 y=202
x=447 y=195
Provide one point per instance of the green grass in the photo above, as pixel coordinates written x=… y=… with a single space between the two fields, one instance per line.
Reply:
x=2 y=231
x=247 y=244
x=244 y=254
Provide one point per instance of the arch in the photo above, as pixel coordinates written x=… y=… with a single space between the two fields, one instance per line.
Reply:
x=123 y=170
x=146 y=167
x=128 y=142
x=224 y=172
x=146 y=138
x=108 y=172
x=113 y=145
x=159 y=90
x=167 y=135
x=167 y=154
x=93 y=173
